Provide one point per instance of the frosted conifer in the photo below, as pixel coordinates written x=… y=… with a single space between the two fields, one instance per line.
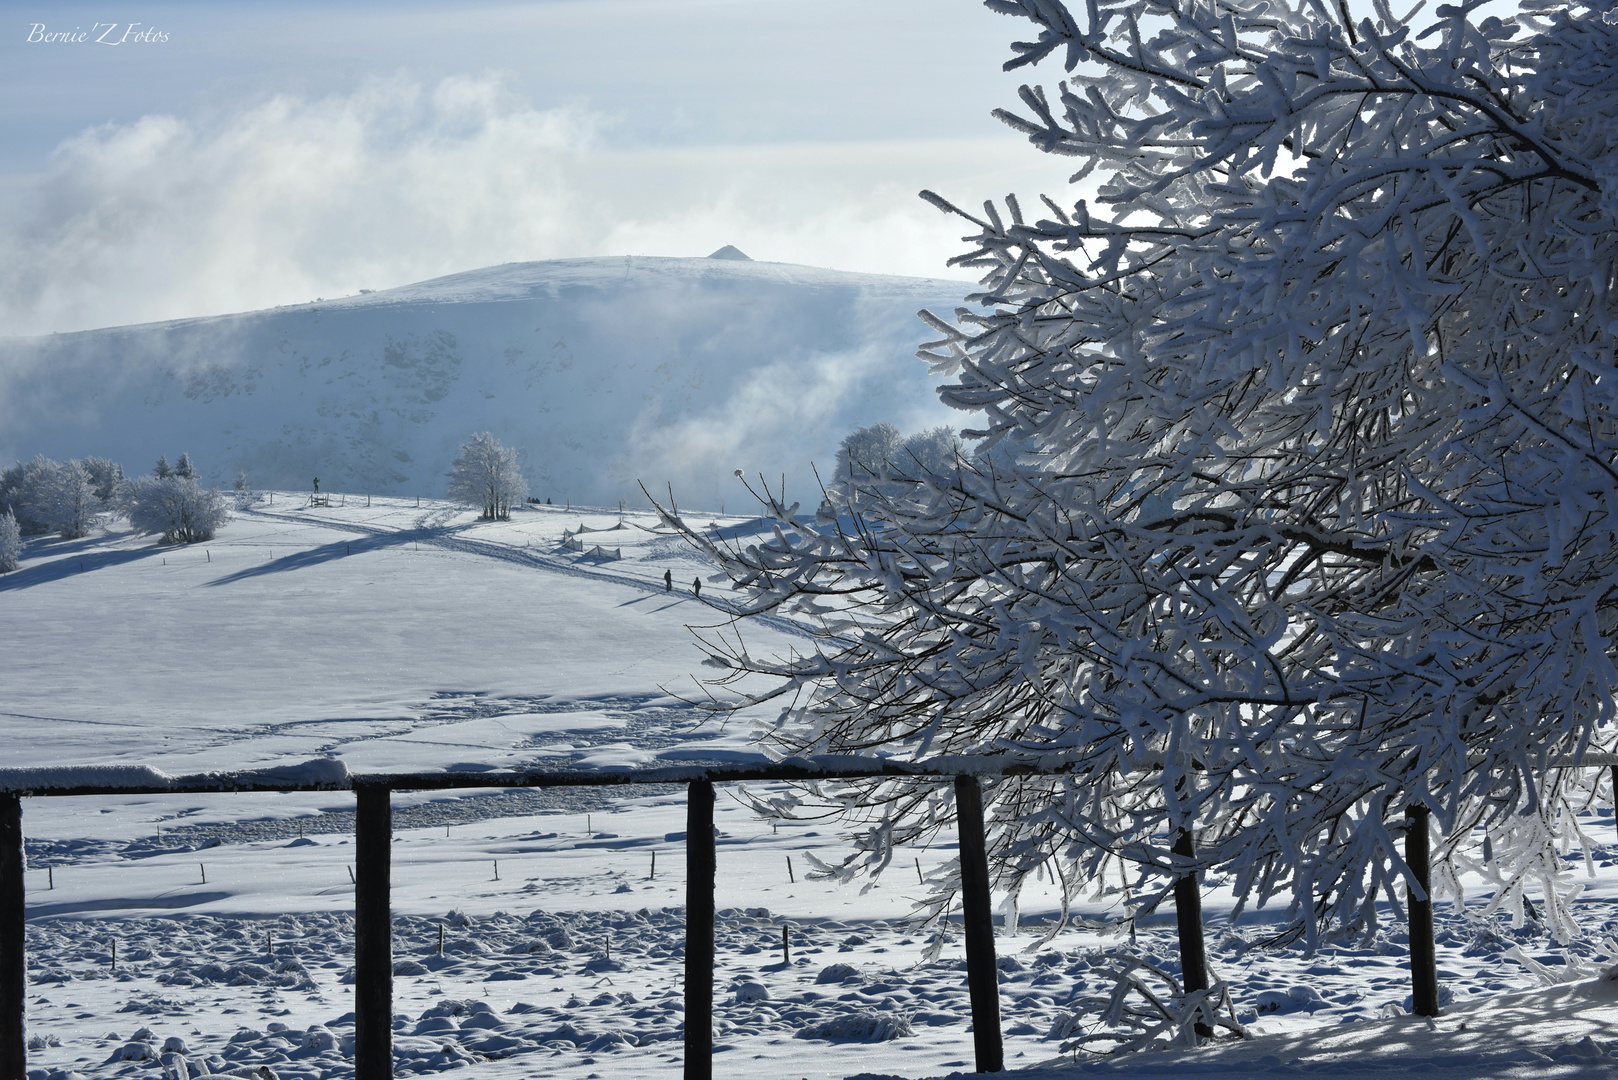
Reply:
x=10 y=543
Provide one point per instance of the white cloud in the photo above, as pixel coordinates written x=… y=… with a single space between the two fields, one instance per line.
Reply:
x=293 y=198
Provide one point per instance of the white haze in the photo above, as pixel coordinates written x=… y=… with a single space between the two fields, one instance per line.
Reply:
x=291 y=198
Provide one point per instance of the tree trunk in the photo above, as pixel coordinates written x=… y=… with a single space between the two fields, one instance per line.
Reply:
x=1188 y=916
x=1423 y=952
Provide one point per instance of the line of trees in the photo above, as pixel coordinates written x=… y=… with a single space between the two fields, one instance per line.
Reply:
x=1295 y=514
x=42 y=496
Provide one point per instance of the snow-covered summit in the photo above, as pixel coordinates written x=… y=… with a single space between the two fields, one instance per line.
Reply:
x=730 y=251
x=604 y=371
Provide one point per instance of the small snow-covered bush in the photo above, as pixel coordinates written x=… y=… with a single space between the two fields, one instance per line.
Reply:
x=174 y=506
x=860 y=1027
x=837 y=973
x=10 y=543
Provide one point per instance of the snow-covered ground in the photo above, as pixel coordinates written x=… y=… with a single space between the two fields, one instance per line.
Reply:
x=403 y=637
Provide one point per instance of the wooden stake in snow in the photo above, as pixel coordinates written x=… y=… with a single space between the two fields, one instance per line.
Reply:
x=351 y=880
x=497 y=869
x=50 y=874
x=653 y=875
x=588 y=830
x=269 y=943
x=13 y=958
x=440 y=939
x=1615 y=796
x=790 y=878
x=373 y=938
x=203 y=870
x=115 y=954
x=919 y=879
x=609 y=944
x=786 y=946
x=699 y=930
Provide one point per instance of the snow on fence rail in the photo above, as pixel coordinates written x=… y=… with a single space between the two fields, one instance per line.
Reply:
x=373 y=945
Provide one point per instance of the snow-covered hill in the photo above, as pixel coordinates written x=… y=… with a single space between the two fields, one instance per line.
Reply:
x=603 y=371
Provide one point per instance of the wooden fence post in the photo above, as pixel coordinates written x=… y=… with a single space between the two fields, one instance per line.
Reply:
x=700 y=864
x=373 y=933
x=1615 y=796
x=982 y=977
x=1423 y=953
x=13 y=964
x=1188 y=920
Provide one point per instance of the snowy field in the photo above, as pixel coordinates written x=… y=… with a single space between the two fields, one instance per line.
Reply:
x=173 y=936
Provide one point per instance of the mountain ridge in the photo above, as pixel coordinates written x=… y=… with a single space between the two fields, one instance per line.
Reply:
x=608 y=371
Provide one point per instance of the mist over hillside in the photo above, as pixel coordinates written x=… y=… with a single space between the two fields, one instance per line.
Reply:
x=603 y=371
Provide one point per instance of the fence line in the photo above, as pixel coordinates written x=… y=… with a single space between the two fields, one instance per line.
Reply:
x=373 y=940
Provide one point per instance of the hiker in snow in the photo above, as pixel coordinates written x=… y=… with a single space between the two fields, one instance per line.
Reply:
x=668 y=581
x=696 y=586
x=317 y=483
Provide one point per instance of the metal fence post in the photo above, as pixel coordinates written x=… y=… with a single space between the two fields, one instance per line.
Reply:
x=700 y=864
x=13 y=963
x=373 y=933
x=982 y=977
x=1423 y=953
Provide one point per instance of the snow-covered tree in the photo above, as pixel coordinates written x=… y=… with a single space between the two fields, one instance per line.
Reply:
x=10 y=542
x=175 y=507
x=49 y=496
x=486 y=475
x=162 y=469
x=241 y=480
x=105 y=476
x=878 y=462
x=66 y=501
x=183 y=468
x=1311 y=515
x=22 y=493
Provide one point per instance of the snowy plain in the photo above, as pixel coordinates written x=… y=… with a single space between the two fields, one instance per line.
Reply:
x=398 y=636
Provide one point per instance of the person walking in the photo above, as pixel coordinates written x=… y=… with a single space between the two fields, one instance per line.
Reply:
x=696 y=586
x=668 y=581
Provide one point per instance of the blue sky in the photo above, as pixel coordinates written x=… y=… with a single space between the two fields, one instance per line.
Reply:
x=263 y=155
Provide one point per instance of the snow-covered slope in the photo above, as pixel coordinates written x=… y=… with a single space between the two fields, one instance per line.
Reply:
x=603 y=371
